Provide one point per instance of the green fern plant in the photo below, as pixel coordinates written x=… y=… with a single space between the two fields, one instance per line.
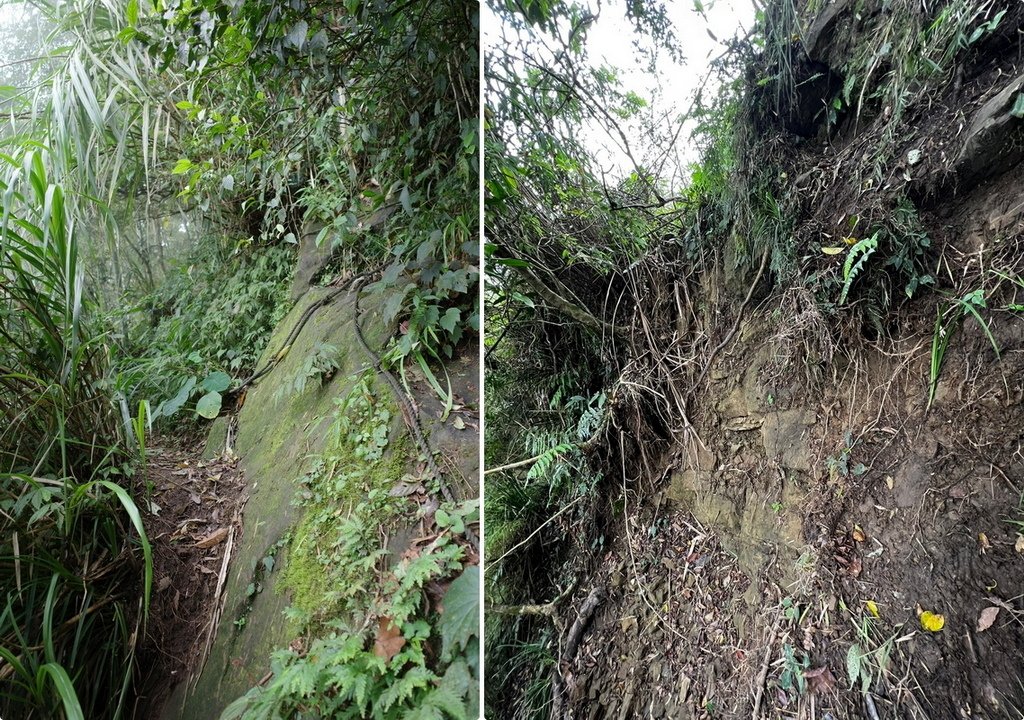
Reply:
x=856 y=260
x=344 y=676
x=320 y=364
x=546 y=461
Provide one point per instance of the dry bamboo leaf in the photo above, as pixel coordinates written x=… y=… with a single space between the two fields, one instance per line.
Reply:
x=215 y=538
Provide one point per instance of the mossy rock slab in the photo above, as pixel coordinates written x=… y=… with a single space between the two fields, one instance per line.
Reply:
x=216 y=439
x=280 y=434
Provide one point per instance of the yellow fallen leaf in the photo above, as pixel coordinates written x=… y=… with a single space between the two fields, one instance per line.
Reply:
x=850 y=240
x=858 y=534
x=1019 y=545
x=872 y=607
x=932 y=622
x=832 y=250
x=985 y=544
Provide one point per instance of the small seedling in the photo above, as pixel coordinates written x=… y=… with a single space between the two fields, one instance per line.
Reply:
x=792 y=676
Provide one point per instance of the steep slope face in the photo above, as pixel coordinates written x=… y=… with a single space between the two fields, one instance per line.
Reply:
x=287 y=424
x=836 y=457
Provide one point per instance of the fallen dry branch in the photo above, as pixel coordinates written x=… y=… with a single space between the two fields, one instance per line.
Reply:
x=572 y=641
x=763 y=675
x=572 y=644
x=219 y=599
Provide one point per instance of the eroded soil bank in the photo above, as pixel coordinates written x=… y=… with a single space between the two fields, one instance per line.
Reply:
x=766 y=554
x=785 y=540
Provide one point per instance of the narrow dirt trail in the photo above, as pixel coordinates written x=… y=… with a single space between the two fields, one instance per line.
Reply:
x=195 y=521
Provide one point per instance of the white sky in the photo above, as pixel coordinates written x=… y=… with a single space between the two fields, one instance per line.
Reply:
x=610 y=41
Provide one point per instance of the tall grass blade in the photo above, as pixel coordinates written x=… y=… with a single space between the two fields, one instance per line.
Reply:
x=65 y=688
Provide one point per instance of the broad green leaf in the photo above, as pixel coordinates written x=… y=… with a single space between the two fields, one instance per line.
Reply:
x=182 y=166
x=450 y=319
x=209 y=405
x=1018 y=106
x=297 y=35
x=318 y=41
x=853 y=664
x=217 y=381
x=174 y=404
x=460 y=619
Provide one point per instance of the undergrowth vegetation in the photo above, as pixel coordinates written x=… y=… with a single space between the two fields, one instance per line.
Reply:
x=162 y=162
x=212 y=314
x=76 y=564
x=612 y=293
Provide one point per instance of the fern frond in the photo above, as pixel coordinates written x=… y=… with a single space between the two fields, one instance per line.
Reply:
x=855 y=262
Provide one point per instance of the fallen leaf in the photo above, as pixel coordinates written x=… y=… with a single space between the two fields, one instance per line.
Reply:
x=1019 y=545
x=215 y=538
x=405 y=487
x=855 y=567
x=988 y=616
x=832 y=250
x=985 y=544
x=819 y=680
x=932 y=622
x=872 y=607
x=389 y=640
x=458 y=423
x=890 y=482
x=858 y=534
